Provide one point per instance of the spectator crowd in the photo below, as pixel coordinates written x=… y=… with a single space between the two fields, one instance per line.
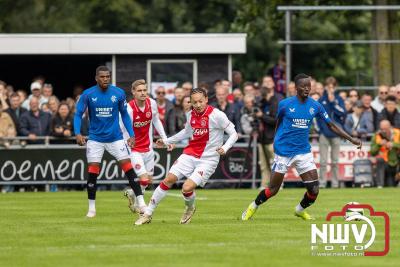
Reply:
x=251 y=106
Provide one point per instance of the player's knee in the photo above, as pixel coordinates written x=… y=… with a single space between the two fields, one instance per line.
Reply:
x=313 y=188
x=170 y=180
x=186 y=188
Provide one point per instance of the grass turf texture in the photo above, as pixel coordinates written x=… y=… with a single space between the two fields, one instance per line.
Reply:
x=50 y=229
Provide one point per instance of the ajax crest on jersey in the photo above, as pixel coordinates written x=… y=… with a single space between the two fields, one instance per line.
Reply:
x=148 y=114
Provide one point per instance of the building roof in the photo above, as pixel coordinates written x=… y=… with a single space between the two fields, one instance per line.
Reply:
x=34 y=44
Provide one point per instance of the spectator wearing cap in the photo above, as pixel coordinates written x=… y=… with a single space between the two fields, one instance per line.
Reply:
x=334 y=106
x=15 y=110
x=357 y=123
x=36 y=91
x=379 y=102
x=385 y=146
x=35 y=122
x=7 y=128
x=390 y=112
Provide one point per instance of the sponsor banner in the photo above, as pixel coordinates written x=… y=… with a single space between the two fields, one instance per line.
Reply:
x=69 y=166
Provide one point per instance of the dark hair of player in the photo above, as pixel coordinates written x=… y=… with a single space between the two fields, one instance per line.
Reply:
x=391 y=98
x=198 y=90
x=299 y=77
x=101 y=68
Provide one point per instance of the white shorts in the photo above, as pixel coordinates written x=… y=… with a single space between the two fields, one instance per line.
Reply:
x=95 y=150
x=303 y=163
x=197 y=170
x=143 y=162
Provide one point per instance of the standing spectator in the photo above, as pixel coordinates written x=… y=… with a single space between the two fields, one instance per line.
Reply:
x=176 y=116
x=247 y=115
x=269 y=107
x=379 y=102
x=366 y=99
x=357 y=123
x=278 y=74
x=47 y=91
x=237 y=100
x=7 y=128
x=237 y=79
x=15 y=110
x=187 y=88
x=291 y=89
x=164 y=108
x=353 y=96
x=35 y=122
x=269 y=84
x=248 y=88
x=3 y=95
x=334 y=106
x=398 y=96
x=390 y=112
x=319 y=88
x=343 y=95
x=186 y=104
x=22 y=95
x=53 y=104
x=348 y=105
x=36 y=91
x=179 y=94
x=226 y=107
x=385 y=146
x=62 y=124
x=392 y=90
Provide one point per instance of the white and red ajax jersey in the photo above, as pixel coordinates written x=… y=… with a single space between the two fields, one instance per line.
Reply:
x=206 y=133
x=143 y=119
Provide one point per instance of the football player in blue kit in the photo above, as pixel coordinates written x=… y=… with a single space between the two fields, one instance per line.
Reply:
x=292 y=148
x=104 y=103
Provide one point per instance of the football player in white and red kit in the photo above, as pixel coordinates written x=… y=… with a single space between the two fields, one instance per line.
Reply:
x=144 y=115
x=205 y=127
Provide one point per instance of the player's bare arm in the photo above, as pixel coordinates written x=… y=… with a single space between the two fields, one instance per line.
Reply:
x=131 y=142
x=334 y=128
x=80 y=139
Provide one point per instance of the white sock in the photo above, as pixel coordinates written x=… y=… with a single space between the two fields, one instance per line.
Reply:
x=140 y=201
x=92 y=205
x=189 y=201
x=254 y=205
x=299 y=208
x=156 y=198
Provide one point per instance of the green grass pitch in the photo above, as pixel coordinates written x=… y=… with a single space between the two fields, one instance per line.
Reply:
x=50 y=229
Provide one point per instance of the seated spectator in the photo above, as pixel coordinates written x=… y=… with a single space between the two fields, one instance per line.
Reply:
x=390 y=112
x=36 y=91
x=53 y=104
x=164 y=107
x=353 y=96
x=357 y=124
x=15 y=110
x=366 y=99
x=62 y=124
x=385 y=145
x=7 y=128
x=379 y=102
x=3 y=95
x=35 y=122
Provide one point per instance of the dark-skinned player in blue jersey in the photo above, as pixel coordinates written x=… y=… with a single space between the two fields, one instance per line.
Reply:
x=292 y=147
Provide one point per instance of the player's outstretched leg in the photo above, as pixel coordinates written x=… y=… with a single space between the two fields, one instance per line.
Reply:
x=160 y=192
x=189 y=195
x=264 y=195
x=310 y=180
x=126 y=166
x=93 y=172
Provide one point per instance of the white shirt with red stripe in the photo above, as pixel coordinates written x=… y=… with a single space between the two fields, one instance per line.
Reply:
x=143 y=120
x=206 y=133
